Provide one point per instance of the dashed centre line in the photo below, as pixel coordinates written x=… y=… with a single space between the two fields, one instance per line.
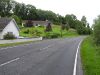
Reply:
x=18 y=58
x=9 y=62
x=46 y=47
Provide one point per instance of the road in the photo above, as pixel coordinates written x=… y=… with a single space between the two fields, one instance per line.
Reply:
x=48 y=57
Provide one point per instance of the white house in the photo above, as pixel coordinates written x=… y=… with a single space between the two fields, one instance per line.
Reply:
x=8 y=25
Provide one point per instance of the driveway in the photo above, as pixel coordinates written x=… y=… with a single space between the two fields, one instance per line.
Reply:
x=48 y=57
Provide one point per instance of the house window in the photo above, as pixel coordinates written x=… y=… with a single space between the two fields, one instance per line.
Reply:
x=10 y=33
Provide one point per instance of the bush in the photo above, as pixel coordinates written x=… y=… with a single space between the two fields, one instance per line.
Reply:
x=36 y=32
x=55 y=35
x=9 y=36
x=97 y=32
x=50 y=35
x=17 y=19
x=26 y=31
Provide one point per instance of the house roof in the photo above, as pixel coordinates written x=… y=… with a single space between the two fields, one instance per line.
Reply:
x=37 y=21
x=4 y=22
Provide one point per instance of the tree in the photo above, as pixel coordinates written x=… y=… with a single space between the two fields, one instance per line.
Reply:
x=47 y=15
x=70 y=19
x=60 y=19
x=89 y=30
x=84 y=21
x=67 y=26
x=96 y=31
x=5 y=7
x=17 y=19
x=31 y=12
x=62 y=27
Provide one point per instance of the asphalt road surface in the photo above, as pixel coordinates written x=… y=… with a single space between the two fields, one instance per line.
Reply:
x=48 y=57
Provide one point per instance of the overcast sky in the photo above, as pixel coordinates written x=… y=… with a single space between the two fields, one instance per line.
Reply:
x=88 y=8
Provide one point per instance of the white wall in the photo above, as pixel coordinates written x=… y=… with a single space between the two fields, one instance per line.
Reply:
x=0 y=34
x=11 y=27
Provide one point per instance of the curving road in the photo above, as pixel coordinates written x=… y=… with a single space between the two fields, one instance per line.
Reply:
x=48 y=57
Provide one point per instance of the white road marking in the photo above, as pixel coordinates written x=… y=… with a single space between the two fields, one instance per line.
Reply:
x=75 y=64
x=9 y=62
x=46 y=47
x=19 y=58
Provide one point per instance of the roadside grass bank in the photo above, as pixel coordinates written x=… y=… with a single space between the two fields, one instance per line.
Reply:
x=16 y=44
x=90 y=55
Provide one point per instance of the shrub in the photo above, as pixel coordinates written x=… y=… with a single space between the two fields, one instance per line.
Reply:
x=8 y=36
x=97 y=32
x=55 y=35
x=26 y=31
x=37 y=32
x=50 y=35
x=17 y=19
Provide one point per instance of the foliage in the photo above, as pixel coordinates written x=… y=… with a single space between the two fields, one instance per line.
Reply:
x=81 y=29
x=30 y=32
x=17 y=19
x=5 y=7
x=70 y=20
x=35 y=32
x=26 y=31
x=51 y=35
x=26 y=12
x=65 y=26
x=39 y=31
x=62 y=27
x=84 y=21
x=97 y=30
x=9 y=36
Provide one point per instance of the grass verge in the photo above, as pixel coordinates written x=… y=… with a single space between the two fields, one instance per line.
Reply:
x=90 y=55
x=15 y=44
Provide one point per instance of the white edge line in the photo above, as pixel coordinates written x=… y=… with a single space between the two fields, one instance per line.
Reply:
x=7 y=47
x=9 y=62
x=75 y=63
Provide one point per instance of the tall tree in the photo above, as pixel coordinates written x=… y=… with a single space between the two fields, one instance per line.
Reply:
x=96 y=29
x=5 y=7
x=84 y=21
x=31 y=12
x=70 y=19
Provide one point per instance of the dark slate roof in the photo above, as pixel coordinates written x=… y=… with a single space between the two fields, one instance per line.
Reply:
x=4 y=22
x=37 y=21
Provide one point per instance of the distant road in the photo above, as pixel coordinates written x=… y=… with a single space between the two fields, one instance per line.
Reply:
x=48 y=57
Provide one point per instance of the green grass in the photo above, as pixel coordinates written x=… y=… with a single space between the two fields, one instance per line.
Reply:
x=90 y=55
x=14 y=44
x=55 y=29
